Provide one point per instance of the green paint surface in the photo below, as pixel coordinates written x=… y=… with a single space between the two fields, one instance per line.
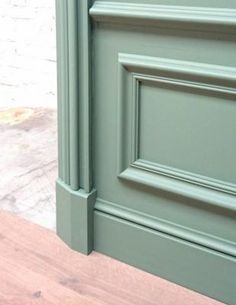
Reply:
x=147 y=106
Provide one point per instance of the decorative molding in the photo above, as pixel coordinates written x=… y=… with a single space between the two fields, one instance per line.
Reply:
x=192 y=73
x=185 y=176
x=67 y=48
x=165 y=170
x=167 y=227
x=210 y=19
x=206 y=78
x=85 y=94
x=74 y=97
x=63 y=91
x=191 y=190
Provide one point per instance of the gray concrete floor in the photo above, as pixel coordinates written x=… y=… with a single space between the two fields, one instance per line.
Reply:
x=28 y=163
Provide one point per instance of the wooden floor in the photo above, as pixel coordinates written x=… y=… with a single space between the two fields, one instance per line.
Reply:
x=36 y=267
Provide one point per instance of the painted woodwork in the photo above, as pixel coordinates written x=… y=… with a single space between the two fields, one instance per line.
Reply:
x=146 y=107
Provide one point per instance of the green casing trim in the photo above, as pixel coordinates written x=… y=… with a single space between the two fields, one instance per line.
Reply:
x=74 y=93
x=75 y=195
x=75 y=217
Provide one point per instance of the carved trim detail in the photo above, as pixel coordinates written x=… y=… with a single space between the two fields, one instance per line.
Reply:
x=210 y=19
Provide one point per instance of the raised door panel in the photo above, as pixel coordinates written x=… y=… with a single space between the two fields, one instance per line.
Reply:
x=147 y=136
x=118 y=50
x=163 y=133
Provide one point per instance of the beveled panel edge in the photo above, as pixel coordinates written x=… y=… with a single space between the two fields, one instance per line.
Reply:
x=191 y=185
x=182 y=188
x=211 y=74
x=186 y=176
x=172 y=229
x=151 y=14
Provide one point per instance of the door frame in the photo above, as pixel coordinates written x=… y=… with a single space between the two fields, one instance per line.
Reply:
x=75 y=193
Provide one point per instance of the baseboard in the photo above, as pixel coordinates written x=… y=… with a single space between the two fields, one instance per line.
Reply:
x=194 y=266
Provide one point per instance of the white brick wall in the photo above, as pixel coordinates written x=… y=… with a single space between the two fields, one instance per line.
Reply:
x=27 y=53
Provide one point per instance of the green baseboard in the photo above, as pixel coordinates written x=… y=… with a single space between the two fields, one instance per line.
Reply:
x=75 y=217
x=196 y=267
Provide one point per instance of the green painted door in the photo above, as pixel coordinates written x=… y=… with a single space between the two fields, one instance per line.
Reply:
x=147 y=146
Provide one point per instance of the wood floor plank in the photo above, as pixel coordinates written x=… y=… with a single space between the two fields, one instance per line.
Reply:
x=25 y=286
x=36 y=267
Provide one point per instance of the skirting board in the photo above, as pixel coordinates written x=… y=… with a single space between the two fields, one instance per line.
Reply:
x=171 y=258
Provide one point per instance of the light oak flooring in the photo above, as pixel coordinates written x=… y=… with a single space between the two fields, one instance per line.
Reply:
x=36 y=267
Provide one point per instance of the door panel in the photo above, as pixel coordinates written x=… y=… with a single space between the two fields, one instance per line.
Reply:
x=147 y=107
x=110 y=88
x=164 y=124
x=185 y=130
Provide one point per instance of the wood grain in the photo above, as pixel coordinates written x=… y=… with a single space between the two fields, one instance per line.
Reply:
x=36 y=267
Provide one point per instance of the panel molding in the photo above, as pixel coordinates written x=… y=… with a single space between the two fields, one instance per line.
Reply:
x=175 y=186
x=170 y=228
x=188 y=71
x=211 y=19
x=182 y=175
x=212 y=79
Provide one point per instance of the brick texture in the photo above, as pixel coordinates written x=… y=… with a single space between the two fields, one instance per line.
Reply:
x=27 y=53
